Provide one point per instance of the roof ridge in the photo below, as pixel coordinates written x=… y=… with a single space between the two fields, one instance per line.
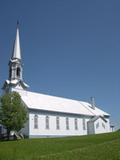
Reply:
x=53 y=96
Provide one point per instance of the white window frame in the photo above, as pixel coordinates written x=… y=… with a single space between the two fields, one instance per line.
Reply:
x=84 y=124
x=103 y=125
x=35 y=121
x=67 y=123
x=97 y=125
x=47 y=122
x=57 y=122
x=76 y=123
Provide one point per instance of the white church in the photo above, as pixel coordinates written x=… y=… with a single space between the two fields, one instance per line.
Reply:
x=51 y=116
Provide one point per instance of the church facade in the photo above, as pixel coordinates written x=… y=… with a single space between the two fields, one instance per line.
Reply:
x=51 y=116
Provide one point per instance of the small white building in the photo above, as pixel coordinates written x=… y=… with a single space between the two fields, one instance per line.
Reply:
x=50 y=115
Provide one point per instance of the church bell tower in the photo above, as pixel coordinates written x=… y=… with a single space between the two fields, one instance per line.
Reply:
x=15 y=79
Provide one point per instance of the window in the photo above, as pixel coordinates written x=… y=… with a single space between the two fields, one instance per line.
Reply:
x=57 y=123
x=36 y=121
x=47 y=122
x=10 y=73
x=67 y=123
x=97 y=125
x=76 y=124
x=103 y=125
x=84 y=125
x=18 y=72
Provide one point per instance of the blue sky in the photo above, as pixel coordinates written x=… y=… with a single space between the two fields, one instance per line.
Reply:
x=70 y=48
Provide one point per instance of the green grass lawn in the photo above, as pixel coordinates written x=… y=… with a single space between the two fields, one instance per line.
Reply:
x=94 y=147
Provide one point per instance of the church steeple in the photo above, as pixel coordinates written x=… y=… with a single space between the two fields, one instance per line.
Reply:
x=15 y=64
x=16 y=48
x=15 y=79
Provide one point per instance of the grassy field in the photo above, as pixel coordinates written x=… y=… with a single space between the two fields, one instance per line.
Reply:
x=94 y=147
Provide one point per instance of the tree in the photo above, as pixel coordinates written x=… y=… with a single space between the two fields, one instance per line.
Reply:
x=13 y=113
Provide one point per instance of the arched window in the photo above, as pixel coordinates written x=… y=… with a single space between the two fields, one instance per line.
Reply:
x=57 y=123
x=47 y=122
x=36 y=121
x=103 y=125
x=67 y=123
x=84 y=124
x=76 y=124
x=10 y=73
x=97 y=125
x=18 y=72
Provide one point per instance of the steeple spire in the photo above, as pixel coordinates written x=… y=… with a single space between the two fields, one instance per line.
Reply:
x=16 y=48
